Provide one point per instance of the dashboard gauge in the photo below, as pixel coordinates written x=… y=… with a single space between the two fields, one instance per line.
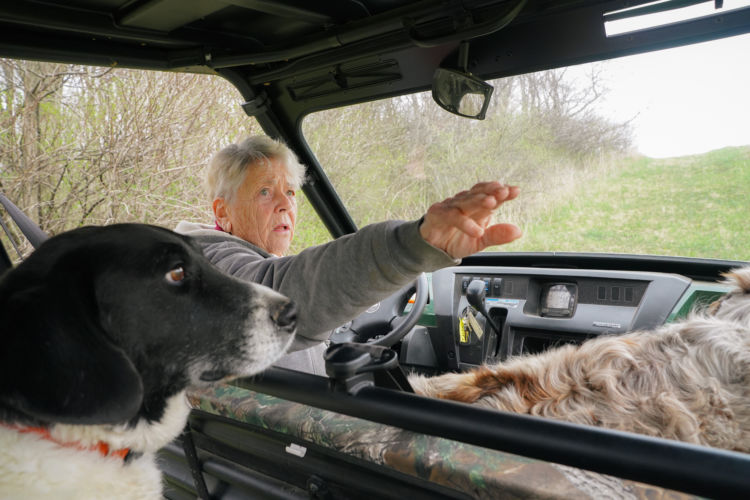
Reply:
x=559 y=299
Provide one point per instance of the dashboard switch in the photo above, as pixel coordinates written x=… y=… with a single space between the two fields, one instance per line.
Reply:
x=497 y=287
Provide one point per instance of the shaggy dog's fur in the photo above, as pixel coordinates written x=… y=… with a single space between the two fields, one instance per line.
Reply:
x=103 y=329
x=688 y=380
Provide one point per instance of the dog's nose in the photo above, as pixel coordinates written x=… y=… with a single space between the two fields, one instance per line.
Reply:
x=285 y=315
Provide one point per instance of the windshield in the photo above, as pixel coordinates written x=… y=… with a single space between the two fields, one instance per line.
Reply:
x=648 y=154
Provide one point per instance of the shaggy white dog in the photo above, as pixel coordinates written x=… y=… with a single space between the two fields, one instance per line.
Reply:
x=689 y=380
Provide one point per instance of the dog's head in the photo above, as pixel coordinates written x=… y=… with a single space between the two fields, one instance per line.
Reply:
x=735 y=305
x=101 y=325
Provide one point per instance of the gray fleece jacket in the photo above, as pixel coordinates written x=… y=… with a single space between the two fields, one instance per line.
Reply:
x=330 y=283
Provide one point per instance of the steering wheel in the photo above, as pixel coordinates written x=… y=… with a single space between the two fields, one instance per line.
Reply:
x=383 y=323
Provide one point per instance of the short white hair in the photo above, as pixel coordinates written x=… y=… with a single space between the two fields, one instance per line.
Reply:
x=228 y=168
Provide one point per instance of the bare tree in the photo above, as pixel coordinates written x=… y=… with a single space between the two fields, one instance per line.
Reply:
x=83 y=145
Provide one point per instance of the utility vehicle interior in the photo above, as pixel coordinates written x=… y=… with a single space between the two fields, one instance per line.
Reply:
x=360 y=433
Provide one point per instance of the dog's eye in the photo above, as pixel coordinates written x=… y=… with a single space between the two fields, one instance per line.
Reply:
x=175 y=276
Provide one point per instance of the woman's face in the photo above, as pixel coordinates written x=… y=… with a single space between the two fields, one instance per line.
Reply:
x=264 y=209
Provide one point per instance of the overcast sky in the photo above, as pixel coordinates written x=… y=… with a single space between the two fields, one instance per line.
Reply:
x=686 y=100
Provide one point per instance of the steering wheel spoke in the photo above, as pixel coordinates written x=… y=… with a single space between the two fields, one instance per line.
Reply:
x=385 y=321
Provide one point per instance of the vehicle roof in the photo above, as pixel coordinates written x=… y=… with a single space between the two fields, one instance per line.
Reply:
x=309 y=55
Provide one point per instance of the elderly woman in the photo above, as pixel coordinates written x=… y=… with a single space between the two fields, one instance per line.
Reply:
x=253 y=185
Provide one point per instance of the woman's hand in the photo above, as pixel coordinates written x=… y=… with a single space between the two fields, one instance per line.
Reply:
x=460 y=225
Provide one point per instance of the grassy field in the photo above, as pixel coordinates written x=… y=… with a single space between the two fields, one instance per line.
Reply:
x=695 y=206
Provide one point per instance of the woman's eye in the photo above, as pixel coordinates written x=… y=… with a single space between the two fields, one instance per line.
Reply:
x=291 y=192
x=264 y=192
x=175 y=276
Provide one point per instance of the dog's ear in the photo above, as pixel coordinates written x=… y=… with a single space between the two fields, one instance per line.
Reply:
x=740 y=278
x=57 y=364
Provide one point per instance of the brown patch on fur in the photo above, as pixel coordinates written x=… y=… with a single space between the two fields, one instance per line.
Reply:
x=529 y=387
x=740 y=278
x=464 y=394
x=713 y=308
x=470 y=390
x=594 y=419
x=485 y=381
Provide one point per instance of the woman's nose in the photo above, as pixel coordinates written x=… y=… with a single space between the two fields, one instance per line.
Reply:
x=282 y=201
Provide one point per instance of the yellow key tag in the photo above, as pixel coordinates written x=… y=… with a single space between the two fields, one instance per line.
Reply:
x=463 y=333
x=469 y=330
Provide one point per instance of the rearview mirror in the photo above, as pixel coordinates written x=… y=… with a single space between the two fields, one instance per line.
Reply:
x=461 y=93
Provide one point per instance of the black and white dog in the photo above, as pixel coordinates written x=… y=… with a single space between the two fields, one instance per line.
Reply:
x=103 y=329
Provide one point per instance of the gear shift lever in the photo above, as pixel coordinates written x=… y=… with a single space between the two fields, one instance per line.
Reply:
x=475 y=295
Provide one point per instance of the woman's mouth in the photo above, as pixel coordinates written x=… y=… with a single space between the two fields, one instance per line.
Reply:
x=282 y=228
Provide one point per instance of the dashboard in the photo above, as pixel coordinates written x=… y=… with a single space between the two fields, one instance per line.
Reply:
x=533 y=309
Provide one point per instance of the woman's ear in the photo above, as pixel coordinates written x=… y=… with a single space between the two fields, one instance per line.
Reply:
x=221 y=213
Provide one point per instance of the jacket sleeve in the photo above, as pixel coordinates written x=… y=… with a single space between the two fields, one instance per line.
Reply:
x=334 y=282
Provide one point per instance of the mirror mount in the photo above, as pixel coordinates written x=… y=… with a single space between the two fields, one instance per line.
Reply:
x=458 y=91
x=463 y=56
